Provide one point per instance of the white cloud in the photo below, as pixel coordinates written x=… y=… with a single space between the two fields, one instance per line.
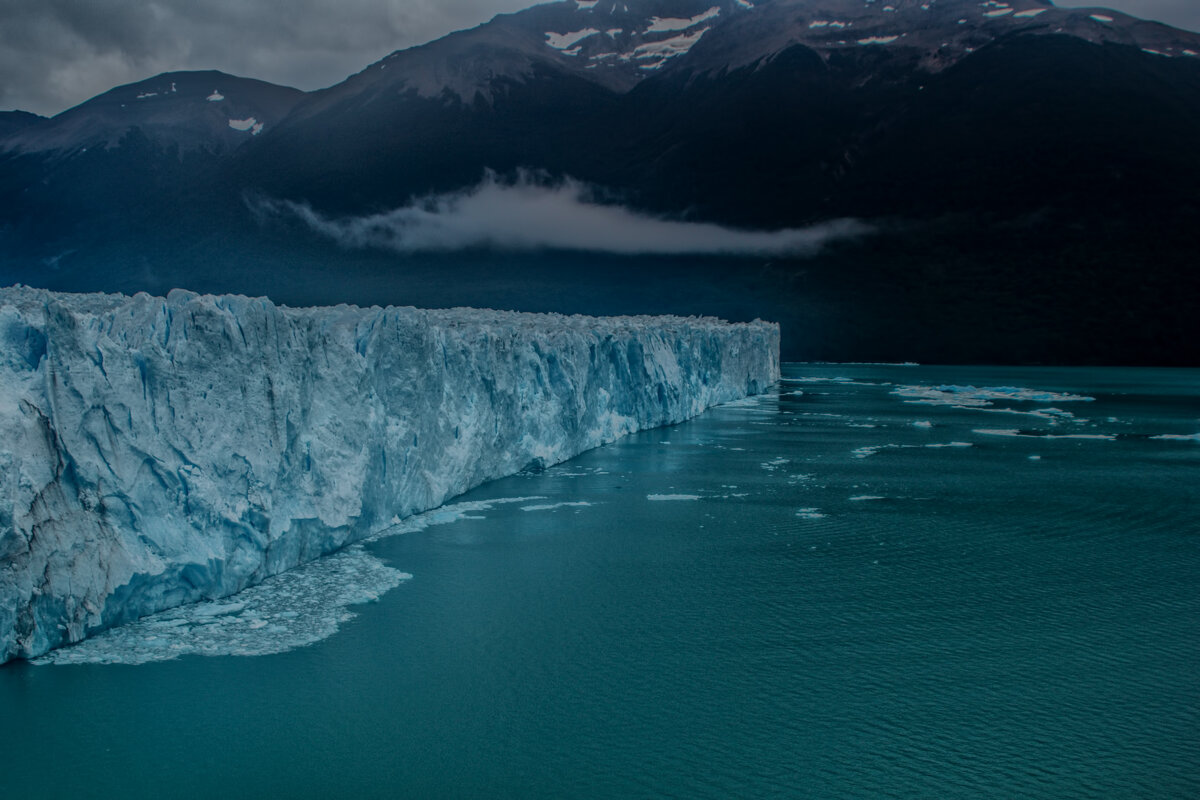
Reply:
x=529 y=214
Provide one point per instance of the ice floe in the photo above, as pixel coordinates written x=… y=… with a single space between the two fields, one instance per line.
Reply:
x=982 y=396
x=1041 y=435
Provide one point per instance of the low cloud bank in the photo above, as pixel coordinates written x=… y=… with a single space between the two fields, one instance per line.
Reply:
x=528 y=214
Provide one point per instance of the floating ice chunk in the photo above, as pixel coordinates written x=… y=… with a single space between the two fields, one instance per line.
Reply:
x=922 y=423
x=1040 y=435
x=999 y=12
x=947 y=394
x=668 y=497
x=1156 y=52
x=243 y=124
x=295 y=609
x=878 y=40
x=745 y=3
x=867 y=452
x=828 y=23
x=552 y=506
x=1029 y=13
x=866 y=497
x=667 y=24
x=215 y=97
x=586 y=5
x=1178 y=437
x=1101 y=18
x=810 y=513
x=145 y=95
x=564 y=41
x=838 y=380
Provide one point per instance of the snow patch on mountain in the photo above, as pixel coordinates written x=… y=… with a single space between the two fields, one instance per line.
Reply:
x=564 y=41
x=670 y=24
x=665 y=49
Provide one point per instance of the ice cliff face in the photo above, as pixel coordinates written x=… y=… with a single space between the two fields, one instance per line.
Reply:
x=155 y=452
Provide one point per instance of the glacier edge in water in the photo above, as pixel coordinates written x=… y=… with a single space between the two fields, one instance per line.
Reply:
x=159 y=451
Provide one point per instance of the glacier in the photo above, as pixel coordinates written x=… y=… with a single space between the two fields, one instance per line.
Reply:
x=161 y=451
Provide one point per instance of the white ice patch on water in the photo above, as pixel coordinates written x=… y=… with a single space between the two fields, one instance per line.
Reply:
x=878 y=40
x=810 y=513
x=826 y=23
x=841 y=381
x=866 y=497
x=774 y=464
x=1178 y=437
x=293 y=609
x=1101 y=18
x=243 y=124
x=215 y=97
x=977 y=396
x=586 y=5
x=1039 y=435
x=552 y=506
x=870 y=450
x=1052 y=414
x=745 y=3
x=922 y=423
x=1032 y=12
x=999 y=12
x=667 y=24
x=670 y=497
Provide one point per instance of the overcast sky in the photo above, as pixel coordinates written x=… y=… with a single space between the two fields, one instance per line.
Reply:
x=57 y=53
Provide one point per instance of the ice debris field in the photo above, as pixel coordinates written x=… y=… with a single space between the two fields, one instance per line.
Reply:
x=156 y=452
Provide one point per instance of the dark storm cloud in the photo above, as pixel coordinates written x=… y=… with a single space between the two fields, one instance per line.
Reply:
x=531 y=213
x=57 y=53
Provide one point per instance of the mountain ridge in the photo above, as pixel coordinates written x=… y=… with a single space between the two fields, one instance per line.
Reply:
x=1041 y=178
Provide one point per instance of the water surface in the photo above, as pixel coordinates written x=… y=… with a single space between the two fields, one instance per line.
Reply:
x=874 y=581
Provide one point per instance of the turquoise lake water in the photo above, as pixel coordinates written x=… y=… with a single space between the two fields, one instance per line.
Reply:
x=875 y=581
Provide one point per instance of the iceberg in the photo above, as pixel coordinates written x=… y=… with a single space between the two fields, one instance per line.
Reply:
x=160 y=451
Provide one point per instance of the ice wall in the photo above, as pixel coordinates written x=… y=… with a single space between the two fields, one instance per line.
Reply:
x=155 y=452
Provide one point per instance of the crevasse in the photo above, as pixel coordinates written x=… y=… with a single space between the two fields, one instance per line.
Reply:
x=159 y=451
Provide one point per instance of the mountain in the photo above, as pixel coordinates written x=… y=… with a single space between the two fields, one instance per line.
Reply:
x=1030 y=173
x=187 y=110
